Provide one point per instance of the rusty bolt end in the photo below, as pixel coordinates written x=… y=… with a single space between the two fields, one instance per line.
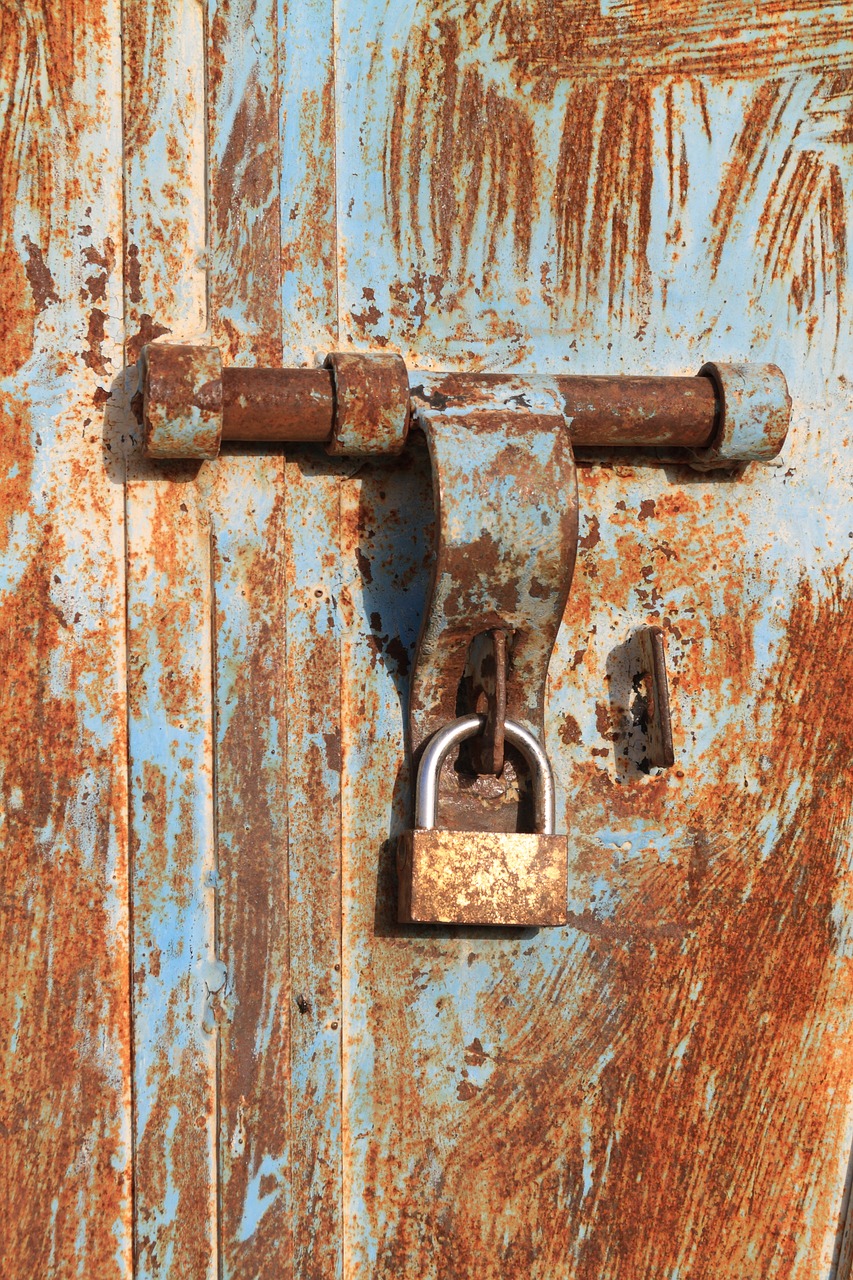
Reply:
x=182 y=400
x=753 y=415
x=371 y=404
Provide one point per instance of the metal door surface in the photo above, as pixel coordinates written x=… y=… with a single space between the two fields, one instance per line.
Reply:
x=222 y=1055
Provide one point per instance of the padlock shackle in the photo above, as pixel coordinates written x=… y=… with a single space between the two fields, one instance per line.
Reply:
x=436 y=750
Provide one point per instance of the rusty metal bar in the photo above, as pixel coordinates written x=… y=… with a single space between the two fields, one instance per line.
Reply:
x=361 y=404
x=296 y=405
x=642 y=411
x=277 y=404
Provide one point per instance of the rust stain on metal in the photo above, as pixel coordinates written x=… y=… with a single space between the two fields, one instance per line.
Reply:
x=17 y=456
x=456 y=135
x=612 y=87
x=740 y=175
x=105 y=261
x=722 y=38
x=148 y=331
x=711 y=922
x=245 y=222
x=64 y=1003
x=475 y=877
x=133 y=280
x=61 y=1107
x=169 y=691
x=94 y=357
x=182 y=406
x=38 y=274
x=312 y=566
x=252 y=865
x=309 y=249
x=164 y=234
x=606 y=150
x=371 y=404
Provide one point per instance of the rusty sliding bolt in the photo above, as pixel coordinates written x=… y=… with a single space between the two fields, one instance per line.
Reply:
x=289 y=405
x=360 y=404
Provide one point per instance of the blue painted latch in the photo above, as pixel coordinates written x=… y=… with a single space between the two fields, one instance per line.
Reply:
x=506 y=527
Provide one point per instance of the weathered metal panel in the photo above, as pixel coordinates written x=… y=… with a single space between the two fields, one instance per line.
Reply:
x=274 y=1177
x=244 y=224
x=313 y=623
x=386 y=516
x=665 y=1089
x=177 y=980
x=165 y=234
x=254 y=1007
x=65 y=1168
x=662 y=1088
x=313 y=584
x=308 y=179
x=250 y=690
x=176 y=975
x=507 y=198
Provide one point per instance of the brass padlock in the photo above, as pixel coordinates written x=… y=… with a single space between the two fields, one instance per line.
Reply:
x=482 y=877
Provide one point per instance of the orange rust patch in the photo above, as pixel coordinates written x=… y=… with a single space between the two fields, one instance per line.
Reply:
x=65 y=983
x=16 y=463
x=16 y=334
x=552 y=39
x=96 y=284
x=751 y=1040
x=613 y=161
x=38 y=274
x=471 y=143
x=245 y=213
x=95 y=336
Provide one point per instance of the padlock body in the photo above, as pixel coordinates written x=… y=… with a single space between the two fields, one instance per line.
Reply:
x=480 y=877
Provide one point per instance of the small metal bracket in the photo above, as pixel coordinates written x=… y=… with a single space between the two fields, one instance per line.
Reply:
x=371 y=404
x=754 y=411
x=658 y=719
x=506 y=527
x=360 y=403
x=182 y=400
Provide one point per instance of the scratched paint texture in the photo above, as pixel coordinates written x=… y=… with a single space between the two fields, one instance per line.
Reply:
x=64 y=1008
x=235 y=894
x=662 y=1088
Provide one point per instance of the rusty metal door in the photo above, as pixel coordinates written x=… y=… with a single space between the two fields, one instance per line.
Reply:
x=223 y=1056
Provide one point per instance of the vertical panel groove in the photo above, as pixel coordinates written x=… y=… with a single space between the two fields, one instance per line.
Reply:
x=64 y=1007
x=129 y=388
x=217 y=950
